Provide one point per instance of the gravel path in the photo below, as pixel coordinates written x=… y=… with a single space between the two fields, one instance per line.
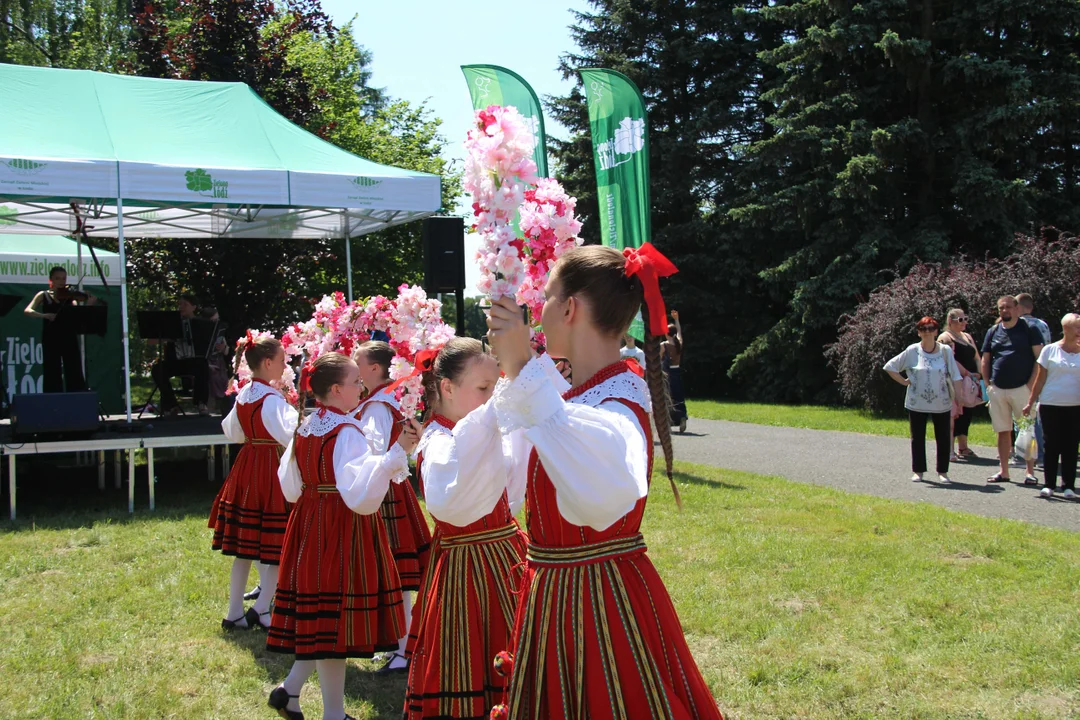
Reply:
x=872 y=465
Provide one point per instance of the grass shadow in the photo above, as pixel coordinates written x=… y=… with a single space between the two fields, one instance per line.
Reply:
x=385 y=693
x=685 y=477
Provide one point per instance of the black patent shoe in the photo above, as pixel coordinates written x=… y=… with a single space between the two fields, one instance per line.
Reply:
x=279 y=700
x=254 y=594
x=387 y=670
x=230 y=625
x=254 y=619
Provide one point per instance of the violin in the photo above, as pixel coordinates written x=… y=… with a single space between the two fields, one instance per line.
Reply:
x=67 y=293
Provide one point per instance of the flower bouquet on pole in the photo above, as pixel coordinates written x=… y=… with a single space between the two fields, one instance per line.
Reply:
x=501 y=176
x=287 y=383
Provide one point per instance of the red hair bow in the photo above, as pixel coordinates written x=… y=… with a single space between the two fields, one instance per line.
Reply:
x=305 y=376
x=649 y=264
x=424 y=362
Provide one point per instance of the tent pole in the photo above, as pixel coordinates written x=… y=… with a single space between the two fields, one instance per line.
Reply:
x=123 y=303
x=82 y=338
x=348 y=252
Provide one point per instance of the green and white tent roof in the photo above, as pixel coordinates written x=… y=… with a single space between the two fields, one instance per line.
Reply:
x=188 y=159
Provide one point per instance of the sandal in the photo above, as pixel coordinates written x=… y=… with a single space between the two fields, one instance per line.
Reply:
x=253 y=619
x=231 y=625
x=967 y=453
x=387 y=670
x=1031 y=480
x=998 y=478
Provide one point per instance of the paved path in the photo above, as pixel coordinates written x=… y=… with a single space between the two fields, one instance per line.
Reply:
x=869 y=464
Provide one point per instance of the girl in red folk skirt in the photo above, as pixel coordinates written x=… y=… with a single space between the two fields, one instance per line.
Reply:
x=473 y=492
x=249 y=514
x=338 y=594
x=410 y=539
x=596 y=634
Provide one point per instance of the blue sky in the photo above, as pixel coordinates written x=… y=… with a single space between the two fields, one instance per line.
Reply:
x=419 y=47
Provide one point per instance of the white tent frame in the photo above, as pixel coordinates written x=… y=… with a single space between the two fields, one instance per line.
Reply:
x=109 y=219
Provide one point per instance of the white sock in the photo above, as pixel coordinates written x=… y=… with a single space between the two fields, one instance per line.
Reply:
x=332 y=682
x=294 y=683
x=399 y=662
x=268 y=575
x=237 y=582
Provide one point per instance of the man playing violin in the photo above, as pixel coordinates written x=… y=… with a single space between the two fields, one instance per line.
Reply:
x=59 y=343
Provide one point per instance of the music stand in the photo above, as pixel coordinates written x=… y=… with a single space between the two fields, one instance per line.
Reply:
x=83 y=319
x=8 y=302
x=159 y=325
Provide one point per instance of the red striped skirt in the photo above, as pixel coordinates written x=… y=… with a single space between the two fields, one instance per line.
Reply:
x=465 y=618
x=338 y=591
x=249 y=514
x=596 y=636
x=410 y=537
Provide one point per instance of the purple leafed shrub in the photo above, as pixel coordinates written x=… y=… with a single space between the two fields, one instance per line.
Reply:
x=1048 y=267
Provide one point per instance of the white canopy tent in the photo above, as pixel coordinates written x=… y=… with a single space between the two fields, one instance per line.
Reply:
x=121 y=156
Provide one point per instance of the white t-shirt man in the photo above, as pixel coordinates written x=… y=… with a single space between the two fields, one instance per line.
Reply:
x=634 y=352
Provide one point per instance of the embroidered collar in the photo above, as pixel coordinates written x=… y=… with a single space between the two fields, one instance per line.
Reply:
x=253 y=392
x=320 y=423
x=614 y=382
x=439 y=425
x=442 y=420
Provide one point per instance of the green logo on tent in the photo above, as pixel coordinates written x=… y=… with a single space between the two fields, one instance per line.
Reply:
x=365 y=182
x=6 y=215
x=200 y=181
x=25 y=167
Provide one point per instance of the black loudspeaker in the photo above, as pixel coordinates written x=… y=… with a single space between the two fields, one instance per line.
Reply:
x=42 y=413
x=444 y=254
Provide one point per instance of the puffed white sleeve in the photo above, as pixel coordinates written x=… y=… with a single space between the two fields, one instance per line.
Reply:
x=280 y=418
x=378 y=425
x=231 y=427
x=516 y=449
x=552 y=372
x=465 y=473
x=362 y=476
x=596 y=457
x=289 y=474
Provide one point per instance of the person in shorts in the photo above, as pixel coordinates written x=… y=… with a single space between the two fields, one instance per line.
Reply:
x=1009 y=351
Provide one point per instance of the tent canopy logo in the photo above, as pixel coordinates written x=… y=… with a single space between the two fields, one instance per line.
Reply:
x=365 y=182
x=7 y=215
x=200 y=181
x=629 y=139
x=25 y=167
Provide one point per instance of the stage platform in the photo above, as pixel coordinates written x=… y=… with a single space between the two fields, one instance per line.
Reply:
x=117 y=436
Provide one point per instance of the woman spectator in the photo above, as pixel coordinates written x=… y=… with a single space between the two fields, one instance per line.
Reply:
x=931 y=376
x=671 y=357
x=967 y=359
x=1057 y=384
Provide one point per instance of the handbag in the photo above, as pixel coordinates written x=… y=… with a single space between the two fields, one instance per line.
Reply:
x=970 y=392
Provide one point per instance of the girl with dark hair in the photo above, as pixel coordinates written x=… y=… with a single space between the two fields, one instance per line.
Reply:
x=249 y=514
x=596 y=634
x=338 y=595
x=472 y=490
x=381 y=420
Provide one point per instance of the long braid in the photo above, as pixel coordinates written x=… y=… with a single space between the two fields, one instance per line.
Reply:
x=654 y=376
x=241 y=345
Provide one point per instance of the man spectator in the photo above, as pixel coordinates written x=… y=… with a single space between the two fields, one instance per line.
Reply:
x=1008 y=362
x=1026 y=307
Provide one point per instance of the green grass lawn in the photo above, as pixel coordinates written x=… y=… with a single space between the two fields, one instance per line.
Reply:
x=798 y=602
x=821 y=417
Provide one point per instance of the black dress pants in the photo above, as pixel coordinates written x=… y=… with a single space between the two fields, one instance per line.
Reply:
x=164 y=370
x=942 y=435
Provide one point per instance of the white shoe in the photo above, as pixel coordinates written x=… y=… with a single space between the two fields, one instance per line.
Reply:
x=916 y=477
x=1046 y=493
x=1069 y=495
x=944 y=479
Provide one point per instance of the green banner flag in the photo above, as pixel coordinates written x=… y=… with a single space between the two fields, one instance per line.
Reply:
x=494 y=85
x=621 y=155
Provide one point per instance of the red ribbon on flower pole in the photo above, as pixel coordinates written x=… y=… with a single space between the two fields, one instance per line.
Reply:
x=425 y=361
x=649 y=265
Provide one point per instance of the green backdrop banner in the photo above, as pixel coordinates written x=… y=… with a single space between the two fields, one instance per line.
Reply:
x=494 y=85
x=620 y=141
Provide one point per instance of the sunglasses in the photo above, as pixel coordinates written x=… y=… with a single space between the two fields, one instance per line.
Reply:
x=927 y=328
x=961 y=319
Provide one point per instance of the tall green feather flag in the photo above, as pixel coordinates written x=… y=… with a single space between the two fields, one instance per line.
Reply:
x=494 y=85
x=620 y=141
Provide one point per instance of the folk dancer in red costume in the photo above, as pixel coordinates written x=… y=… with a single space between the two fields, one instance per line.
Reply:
x=339 y=595
x=473 y=492
x=596 y=634
x=410 y=538
x=250 y=513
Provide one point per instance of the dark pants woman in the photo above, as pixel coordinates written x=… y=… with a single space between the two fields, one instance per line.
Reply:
x=1061 y=436
x=678 y=398
x=942 y=423
x=962 y=424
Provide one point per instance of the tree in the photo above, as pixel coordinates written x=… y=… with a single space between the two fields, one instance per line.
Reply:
x=475 y=321
x=89 y=34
